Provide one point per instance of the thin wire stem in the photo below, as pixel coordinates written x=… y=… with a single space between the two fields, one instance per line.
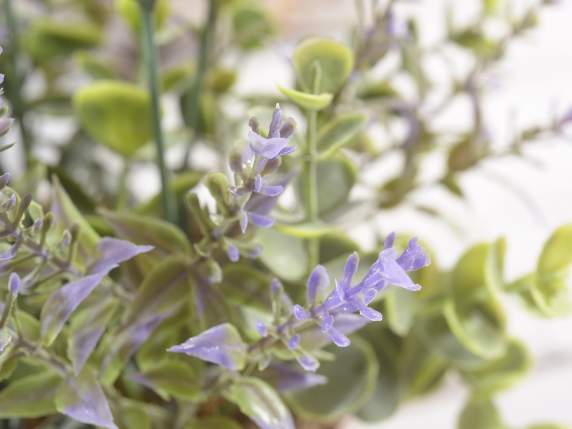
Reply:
x=15 y=80
x=150 y=58
x=197 y=88
x=312 y=208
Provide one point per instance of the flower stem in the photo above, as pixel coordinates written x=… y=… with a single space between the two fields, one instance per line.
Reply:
x=197 y=88
x=312 y=213
x=15 y=80
x=150 y=57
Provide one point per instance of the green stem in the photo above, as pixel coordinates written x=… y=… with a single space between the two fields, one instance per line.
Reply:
x=150 y=57
x=123 y=189
x=197 y=88
x=15 y=80
x=311 y=171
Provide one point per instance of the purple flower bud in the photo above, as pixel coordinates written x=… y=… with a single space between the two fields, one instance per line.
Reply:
x=261 y=328
x=276 y=287
x=271 y=190
x=294 y=342
x=318 y=280
x=389 y=240
x=257 y=183
x=394 y=274
x=289 y=378
x=14 y=283
x=274 y=129
x=268 y=148
x=308 y=362
x=233 y=253
x=413 y=258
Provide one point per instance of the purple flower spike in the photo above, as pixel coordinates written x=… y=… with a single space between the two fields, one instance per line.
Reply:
x=220 y=344
x=318 y=280
x=14 y=284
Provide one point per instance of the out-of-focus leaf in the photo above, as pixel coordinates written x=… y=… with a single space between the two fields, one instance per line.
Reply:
x=334 y=61
x=82 y=399
x=550 y=290
x=214 y=422
x=250 y=23
x=336 y=178
x=115 y=114
x=245 y=285
x=285 y=255
x=501 y=373
x=307 y=101
x=259 y=402
x=346 y=390
x=129 y=11
x=378 y=89
x=49 y=39
x=93 y=66
x=480 y=413
x=340 y=132
x=305 y=230
x=30 y=396
x=400 y=308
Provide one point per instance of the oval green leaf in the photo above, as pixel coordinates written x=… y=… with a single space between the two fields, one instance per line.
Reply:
x=307 y=101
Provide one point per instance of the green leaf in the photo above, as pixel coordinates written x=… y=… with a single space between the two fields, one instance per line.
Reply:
x=245 y=285
x=308 y=101
x=214 y=422
x=67 y=214
x=351 y=377
x=82 y=399
x=336 y=178
x=400 y=308
x=175 y=378
x=334 y=61
x=480 y=413
x=286 y=256
x=30 y=396
x=166 y=287
x=259 y=402
x=340 y=132
x=131 y=415
x=501 y=373
x=48 y=39
x=165 y=237
x=385 y=398
x=550 y=290
x=115 y=114
x=129 y=11
x=251 y=24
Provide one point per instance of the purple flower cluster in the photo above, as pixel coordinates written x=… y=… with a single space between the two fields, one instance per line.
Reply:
x=257 y=187
x=336 y=311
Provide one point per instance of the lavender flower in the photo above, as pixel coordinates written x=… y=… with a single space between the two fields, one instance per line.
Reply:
x=255 y=190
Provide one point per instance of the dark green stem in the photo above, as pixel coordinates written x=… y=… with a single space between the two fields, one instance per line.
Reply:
x=311 y=171
x=197 y=87
x=150 y=57
x=15 y=80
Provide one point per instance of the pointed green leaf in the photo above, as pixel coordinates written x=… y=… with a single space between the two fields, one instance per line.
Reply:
x=175 y=378
x=307 y=101
x=260 y=402
x=30 y=396
x=480 y=413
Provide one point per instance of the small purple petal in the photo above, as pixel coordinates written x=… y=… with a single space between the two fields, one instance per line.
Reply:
x=233 y=253
x=413 y=258
x=300 y=313
x=338 y=338
x=394 y=274
x=287 y=150
x=257 y=183
x=319 y=279
x=389 y=240
x=243 y=221
x=308 y=362
x=289 y=379
x=14 y=283
x=294 y=342
x=271 y=190
x=274 y=130
x=351 y=267
x=261 y=328
x=370 y=313
x=260 y=220
x=268 y=148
